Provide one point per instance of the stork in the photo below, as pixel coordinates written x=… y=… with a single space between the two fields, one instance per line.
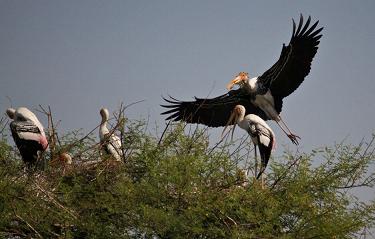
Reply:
x=260 y=133
x=262 y=95
x=110 y=141
x=28 y=134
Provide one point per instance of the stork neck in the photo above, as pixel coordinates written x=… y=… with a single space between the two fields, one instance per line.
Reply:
x=252 y=84
x=103 y=126
x=240 y=117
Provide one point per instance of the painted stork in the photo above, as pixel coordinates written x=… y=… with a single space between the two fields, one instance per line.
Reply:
x=110 y=141
x=28 y=134
x=263 y=95
x=261 y=134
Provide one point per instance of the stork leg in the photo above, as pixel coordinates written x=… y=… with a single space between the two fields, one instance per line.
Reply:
x=294 y=138
x=262 y=180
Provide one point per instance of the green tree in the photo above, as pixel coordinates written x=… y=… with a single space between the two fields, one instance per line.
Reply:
x=178 y=186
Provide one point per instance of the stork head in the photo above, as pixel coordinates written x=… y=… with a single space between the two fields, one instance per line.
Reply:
x=240 y=79
x=65 y=158
x=236 y=113
x=11 y=113
x=104 y=113
x=24 y=114
x=239 y=110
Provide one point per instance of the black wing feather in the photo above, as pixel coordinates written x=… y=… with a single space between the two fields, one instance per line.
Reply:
x=28 y=148
x=214 y=112
x=294 y=63
x=24 y=126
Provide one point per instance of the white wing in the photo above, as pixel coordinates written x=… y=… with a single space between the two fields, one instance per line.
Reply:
x=114 y=147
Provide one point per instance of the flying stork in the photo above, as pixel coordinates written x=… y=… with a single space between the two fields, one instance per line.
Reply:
x=28 y=134
x=261 y=134
x=110 y=141
x=262 y=95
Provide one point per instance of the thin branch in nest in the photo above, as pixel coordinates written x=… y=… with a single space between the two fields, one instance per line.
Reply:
x=52 y=133
x=53 y=200
x=285 y=173
x=4 y=123
x=28 y=224
x=164 y=131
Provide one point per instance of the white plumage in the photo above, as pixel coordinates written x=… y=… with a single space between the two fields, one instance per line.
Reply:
x=261 y=134
x=110 y=141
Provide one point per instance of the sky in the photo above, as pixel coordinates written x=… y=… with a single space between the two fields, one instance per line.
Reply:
x=79 y=56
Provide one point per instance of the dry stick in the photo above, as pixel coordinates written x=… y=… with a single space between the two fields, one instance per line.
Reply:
x=51 y=130
x=240 y=147
x=225 y=136
x=368 y=146
x=4 y=122
x=134 y=103
x=248 y=168
x=51 y=126
x=351 y=181
x=51 y=137
x=122 y=112
x=164 y=131
x=120 y=122
x=55 y=201
x=122 y=117
x=147 y=123
x=28 y=224
x=286 y=171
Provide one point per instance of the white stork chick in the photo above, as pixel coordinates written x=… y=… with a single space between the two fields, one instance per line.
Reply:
x=261 y=134
x=28 y=134
x=65 y=158
x=110 y=142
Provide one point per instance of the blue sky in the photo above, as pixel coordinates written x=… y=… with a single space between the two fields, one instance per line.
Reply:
x=78 y=56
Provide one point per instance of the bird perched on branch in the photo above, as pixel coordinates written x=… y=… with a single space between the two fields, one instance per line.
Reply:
x=261 y=134
x=262 y=95
x=111 y=142
x=28 y=134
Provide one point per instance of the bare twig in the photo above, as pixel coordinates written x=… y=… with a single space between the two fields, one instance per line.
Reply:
x=164 y=131
x=28 y=224
x=295 y=162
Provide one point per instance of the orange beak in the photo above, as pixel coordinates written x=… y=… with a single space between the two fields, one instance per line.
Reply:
x=237 y=80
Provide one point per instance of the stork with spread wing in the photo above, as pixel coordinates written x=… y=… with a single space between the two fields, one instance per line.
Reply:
x=262 y=95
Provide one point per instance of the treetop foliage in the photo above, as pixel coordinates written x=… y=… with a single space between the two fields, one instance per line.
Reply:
x=177 y=185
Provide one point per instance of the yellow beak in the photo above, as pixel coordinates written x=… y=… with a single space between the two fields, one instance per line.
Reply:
x=236 y=80
x=232 y=120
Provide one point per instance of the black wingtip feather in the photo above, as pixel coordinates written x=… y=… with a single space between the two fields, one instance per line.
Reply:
x=299 y=25
x=311 y=28
x=306 y=26
x=316 y=32
x=168 y=106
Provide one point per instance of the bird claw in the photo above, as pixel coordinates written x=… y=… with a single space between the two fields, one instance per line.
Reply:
x=294 y=138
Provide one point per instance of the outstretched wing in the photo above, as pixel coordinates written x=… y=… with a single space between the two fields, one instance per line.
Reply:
x=214 y=112
x=295 y=60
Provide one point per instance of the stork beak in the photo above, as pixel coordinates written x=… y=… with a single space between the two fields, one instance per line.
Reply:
x=233 y=117
x=233 y=82
x=243 y=76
